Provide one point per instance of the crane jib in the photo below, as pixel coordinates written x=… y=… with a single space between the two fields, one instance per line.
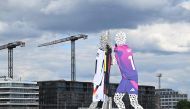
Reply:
x=71 y=38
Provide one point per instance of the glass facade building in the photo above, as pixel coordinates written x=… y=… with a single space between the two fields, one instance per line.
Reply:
x=62 y=94
x=19 y=95
x=169 y=98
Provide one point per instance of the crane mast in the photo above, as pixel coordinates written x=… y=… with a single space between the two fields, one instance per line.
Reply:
x=159 y=80
x=73 y=61
x=10 y=47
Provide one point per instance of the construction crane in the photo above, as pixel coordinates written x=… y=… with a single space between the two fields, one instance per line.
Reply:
x=159 y=81
x=10 y=47
x=72 y=39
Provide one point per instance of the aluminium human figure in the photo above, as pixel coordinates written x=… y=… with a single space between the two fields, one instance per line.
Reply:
x=129 y=81
x=102 y=73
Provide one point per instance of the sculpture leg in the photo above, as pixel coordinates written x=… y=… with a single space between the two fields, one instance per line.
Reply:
x=110 y=102
x=93 y=105
x=105 y=103
x=134 y=101
x=118 y=100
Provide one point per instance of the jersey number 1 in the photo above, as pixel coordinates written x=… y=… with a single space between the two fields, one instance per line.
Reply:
x=132 y=62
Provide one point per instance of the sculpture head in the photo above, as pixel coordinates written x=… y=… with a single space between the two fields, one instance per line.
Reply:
x=120 y=38
x=105 y=40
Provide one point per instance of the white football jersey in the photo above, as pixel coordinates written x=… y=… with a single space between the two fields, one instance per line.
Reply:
x=98 y=91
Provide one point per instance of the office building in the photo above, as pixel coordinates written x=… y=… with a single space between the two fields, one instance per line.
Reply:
x=169 y=98
x=64 y=94
x=18 y=95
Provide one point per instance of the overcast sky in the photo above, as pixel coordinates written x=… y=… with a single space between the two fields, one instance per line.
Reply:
x=158 y=31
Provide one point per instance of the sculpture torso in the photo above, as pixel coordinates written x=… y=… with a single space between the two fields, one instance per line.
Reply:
x=124 y=57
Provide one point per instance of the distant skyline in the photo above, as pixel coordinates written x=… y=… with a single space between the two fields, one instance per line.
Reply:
x=158 y=31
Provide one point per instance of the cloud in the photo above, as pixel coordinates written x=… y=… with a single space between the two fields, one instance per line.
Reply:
x=135 y=4
x=23 y=4
x=185 y=5
x=60 y=6
x=3 y=26
x=17 y=30
x=160 y=37
x=144 y=4
x=66 y=16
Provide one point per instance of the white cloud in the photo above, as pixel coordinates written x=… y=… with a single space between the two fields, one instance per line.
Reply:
x=185 y=5
x=3 y=26
x=168 y=37
x=24 y=3
x=144 y=4
x=60 y=6
x=136 y=4
x=17 y=30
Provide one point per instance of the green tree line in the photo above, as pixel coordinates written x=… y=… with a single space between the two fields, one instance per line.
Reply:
x=184 y=104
